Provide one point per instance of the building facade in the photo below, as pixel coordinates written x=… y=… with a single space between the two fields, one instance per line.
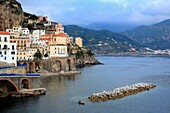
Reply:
x=79 y=41
x=8 y=50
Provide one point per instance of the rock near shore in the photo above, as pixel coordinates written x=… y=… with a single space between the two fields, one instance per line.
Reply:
x=86 y=60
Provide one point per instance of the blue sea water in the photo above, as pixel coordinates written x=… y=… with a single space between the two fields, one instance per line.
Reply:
x=63 y=93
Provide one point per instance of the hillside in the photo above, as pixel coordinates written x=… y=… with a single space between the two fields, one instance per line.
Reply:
x=102 y=41
x=114 y=27
x=11 y=14
x=156 y=36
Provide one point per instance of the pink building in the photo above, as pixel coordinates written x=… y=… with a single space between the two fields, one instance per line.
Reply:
x=42 y=18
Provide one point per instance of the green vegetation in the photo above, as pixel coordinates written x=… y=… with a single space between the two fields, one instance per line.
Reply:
x=30 y=26
x=46 y=55
x=80 y=54
x=89 y=52
x=38 y=54
x=33 y=17
x=103 y=40
x=155 y=36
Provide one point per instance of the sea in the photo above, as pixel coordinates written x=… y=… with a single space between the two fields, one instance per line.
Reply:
x=63 y=93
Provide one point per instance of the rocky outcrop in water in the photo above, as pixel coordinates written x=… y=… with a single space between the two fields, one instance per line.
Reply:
x=120 y=92
x=86 y=60
x=84 y=57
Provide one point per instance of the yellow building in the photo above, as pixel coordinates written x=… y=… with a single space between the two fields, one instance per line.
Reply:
x=79 y=41
x=22 y=55
x=59 y=28
x=31 y=52
x=21 y=42
x=58 y=51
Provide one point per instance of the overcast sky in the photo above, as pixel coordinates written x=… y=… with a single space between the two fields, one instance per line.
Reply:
x=84 y=12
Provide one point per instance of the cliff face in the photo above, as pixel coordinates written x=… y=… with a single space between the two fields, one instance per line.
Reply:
x=86 y=60
x=11 y=14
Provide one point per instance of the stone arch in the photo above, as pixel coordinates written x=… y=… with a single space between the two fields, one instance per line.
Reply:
x=25 y=84
x=18 y=63
x=74 y=62
x=68 y=65
x=57 y=67
x=37 y=66
x=32 y=67
x=27 y=67
x=7 y=87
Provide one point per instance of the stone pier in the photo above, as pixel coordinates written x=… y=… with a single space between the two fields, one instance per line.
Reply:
x=120 y=92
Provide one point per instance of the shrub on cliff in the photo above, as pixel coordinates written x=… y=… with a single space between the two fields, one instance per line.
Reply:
x=89 y=52
x=38 y=54
x=80 y=54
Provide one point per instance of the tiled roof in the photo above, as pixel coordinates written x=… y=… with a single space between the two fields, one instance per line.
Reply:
x=44 y=38
x=45 y=35
x=60 y=35
x=4 y=33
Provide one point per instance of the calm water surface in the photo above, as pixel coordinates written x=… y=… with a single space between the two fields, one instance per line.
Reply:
x=63 y=92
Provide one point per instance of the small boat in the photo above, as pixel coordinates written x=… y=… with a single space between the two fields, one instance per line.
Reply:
x=80 y=102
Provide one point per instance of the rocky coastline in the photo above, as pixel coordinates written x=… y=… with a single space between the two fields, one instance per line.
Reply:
x=120 y=92
x=87 y=61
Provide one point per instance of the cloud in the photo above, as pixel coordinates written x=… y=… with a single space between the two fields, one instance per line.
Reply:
x=123 y=3
x=91 y=11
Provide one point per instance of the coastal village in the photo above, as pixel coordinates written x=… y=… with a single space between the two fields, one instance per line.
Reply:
x=20 y=44
x=26 y=55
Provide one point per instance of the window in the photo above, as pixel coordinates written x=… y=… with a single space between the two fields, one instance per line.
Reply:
x=5 y=46
x=13 y=47
x=0 y=46
x=0 y=39
x=12 y=58
x=5 y=39
x=4 y=52
x=0 y=52
x=13 y=53
x=4 y=58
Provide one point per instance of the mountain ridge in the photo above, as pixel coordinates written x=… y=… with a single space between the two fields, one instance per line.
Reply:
x=156 y=36
x=102 y=40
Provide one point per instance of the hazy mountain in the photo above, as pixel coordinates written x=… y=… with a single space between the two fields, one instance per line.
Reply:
x=156 y=36
x=102 y=41
x=114 y=27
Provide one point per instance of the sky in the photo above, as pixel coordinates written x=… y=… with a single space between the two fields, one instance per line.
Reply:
x=84 y=12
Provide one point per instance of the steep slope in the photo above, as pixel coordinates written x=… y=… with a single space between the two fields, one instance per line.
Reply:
x=11 y=14
x=156 y=36
x=102 y=41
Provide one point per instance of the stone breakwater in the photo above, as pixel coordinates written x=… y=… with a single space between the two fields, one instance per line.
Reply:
x=29 y=92
x=120 y=92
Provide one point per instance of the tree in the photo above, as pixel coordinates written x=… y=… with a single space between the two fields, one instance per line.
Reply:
x=33 y=17
x=46 y=55
x=38 y=54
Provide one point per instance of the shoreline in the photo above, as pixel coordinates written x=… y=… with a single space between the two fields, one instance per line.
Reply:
x=69 y=73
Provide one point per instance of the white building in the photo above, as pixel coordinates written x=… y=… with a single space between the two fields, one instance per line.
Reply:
x=8 y=51
x=58 y=51
x=25 y=31
x=48 y=23
x=36 y=34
